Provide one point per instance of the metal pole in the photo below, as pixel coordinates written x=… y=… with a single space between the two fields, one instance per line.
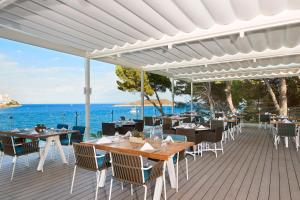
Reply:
x=87 y=92
x=142 y=94
x=192 y=96
x=76 y=118
x=172 y=84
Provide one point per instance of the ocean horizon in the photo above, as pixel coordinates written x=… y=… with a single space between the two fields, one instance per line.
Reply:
x=28 y=115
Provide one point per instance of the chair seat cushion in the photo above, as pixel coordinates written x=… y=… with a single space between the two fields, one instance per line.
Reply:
x=147 y=173
x=175 y=158
x=19 y=150
x=103 y=161
x=100 y=161
x=64 y=141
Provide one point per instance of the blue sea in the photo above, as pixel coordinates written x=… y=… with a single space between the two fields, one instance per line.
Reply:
x=28 y=115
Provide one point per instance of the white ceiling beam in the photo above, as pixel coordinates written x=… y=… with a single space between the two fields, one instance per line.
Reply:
x=23 y=37
x=4 y=3
x=260 y=22
x=269 y=53
x=243 y=78
x=241 y=69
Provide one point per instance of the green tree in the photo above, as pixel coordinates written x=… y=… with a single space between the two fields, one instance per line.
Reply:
x=130 y=81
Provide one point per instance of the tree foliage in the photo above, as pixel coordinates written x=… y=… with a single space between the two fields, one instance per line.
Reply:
x=130 y=81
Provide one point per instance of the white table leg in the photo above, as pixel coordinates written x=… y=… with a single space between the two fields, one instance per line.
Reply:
x=171 y=172
x=102 y=178
x=286 y=142
x=158 y=188
x=60 y=149
x=44 y=154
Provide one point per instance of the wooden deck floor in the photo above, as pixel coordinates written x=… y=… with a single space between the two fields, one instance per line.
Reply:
x=250 y=168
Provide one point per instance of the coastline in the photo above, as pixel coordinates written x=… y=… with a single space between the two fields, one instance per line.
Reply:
x=2 y=106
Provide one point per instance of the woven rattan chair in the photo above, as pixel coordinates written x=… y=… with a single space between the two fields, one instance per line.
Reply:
x=187 y=120
x=179 y=156
x=86 y=158
x=108 y=129
x=139 y=125
x=191 y=137
x=227 y=131
x=286 y=130
x=1 y=154
x=130 y=169
x=167 y=126
x=214 y=137
x=10 y=148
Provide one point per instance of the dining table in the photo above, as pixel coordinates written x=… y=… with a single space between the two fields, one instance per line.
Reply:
x=50 y=135
x=162 y=150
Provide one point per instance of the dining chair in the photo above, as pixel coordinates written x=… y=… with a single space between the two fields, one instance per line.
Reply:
x=86 y=158
x=108 y=129
x=187 y=120
x=73 y=138
x=227 y=132
x=1 y=154
x=214 y=137
x=191 y=136
x=166 y=124
x=152 y=122
x=179 y=155
x=127 y=168
x=10 y=148
x=139 y=125
x=264 y=119
x=288 y=130
x=122 y=118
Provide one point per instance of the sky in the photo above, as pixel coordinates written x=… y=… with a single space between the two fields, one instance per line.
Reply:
x=31 y=74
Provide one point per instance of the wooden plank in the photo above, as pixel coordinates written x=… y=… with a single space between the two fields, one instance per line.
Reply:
x=274 y=174
x=245 y=188
x=291 y=175
x=274 y=182
x=228 y=174
x=239 y=180
x=264 y=189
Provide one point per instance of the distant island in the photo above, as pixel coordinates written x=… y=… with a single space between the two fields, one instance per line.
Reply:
x=7 y=102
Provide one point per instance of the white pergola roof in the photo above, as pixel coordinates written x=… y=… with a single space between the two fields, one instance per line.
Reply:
x=194 y=40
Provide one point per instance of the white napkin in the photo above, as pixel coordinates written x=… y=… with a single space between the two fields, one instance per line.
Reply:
x=146 y=147
x=168 y=139
x=201 y=126
x=15 y=130
x=104 y=140
x=63 y=129
x=220 y=118
x=286 y=121
x=128 y=134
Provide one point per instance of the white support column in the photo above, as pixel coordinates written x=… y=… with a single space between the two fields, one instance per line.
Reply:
x=192 y=91
x=87 y=92
x=142 y=94
x=172 y=90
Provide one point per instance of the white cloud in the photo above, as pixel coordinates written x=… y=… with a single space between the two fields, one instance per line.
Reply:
x=61 y=84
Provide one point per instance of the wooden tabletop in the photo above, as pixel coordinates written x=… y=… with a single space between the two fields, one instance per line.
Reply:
x=159 y=153
x=28 y=133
